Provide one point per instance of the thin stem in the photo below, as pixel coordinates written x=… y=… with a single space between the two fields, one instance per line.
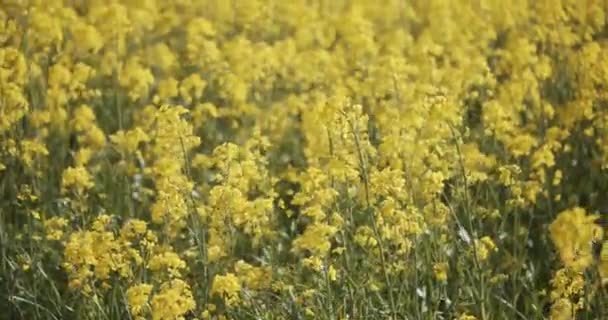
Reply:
x=364 y=174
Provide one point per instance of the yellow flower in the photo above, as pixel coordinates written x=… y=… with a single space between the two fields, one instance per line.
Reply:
x=133 y=229
x=54 y=227
x=191 y=88
x=228 y=287
x=466 y=316
x=169 y=261
x=137 y=297
x=483 y=248
x=135 y=78
x=128 y=141
x=332 y=273
x=567 y=289
x=86 y=38
x=30 y=150
x=78 y=179
x=162 y=57
x=173 y=301
x=603 y=263
x=573 y=233
x=316 y=239
x=215 y=252
x=441 y=271
x=562 y=309
x=167 y=88
x=82 y=118
x=252 y=277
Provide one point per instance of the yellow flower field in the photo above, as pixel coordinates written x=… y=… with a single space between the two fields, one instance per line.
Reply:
x=303 y=159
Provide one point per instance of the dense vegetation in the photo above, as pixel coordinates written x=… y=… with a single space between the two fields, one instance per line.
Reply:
x=303 y=159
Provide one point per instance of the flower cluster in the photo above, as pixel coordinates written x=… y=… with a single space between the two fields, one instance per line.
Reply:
x=303 y=159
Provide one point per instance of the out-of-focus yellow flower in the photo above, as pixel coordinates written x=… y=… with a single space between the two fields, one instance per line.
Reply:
x=138 y=297
x=78 y=179
x=466 y=316
x=573 y=233
x=55 y=227
x=191 y=88
x=603 y=262
x=483 y=248
x=30 y=150
x=167 y=261
x=315 y=239
x=441 y=271
x=128 y=141
x=87 y=38
x=252 y=277
x=228 y=287
x=136 y=78
x=561 y=309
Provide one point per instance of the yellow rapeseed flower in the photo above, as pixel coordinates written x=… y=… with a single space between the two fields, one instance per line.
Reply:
x=573 y=233
x=228 y=287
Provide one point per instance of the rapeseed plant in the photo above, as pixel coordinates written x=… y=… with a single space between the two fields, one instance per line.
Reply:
x=343 y=159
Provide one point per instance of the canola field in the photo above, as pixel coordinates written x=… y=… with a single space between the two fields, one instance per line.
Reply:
x=304 y=159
